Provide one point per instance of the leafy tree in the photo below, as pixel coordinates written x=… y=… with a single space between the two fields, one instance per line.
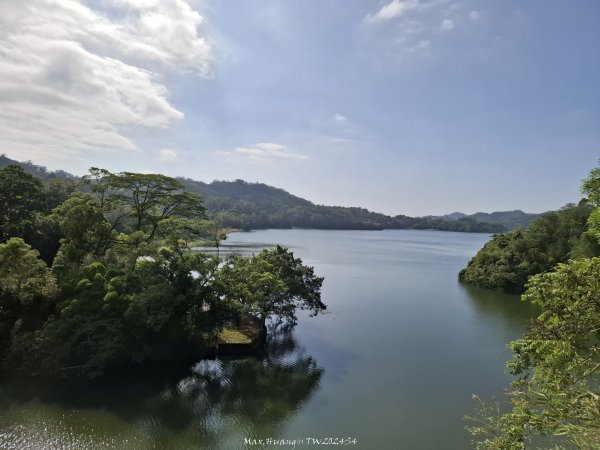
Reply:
x=154 y=198
x=86 y=231
x=146 y=199
x=557 y=393
x=508 y=260
x=21 y=196
x=556 y=397
x=27 y=289
x=123 y=286
x=591 y=186
x=24 y=276
x=273 y=285
x=56 y=191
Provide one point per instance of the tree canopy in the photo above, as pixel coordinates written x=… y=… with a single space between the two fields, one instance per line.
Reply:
x=507 y=261
x=555 y=399
x=122 y=285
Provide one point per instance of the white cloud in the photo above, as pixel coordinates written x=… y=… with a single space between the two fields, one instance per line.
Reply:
x=262 y=152
x=77 y=79
x=474 y=16
x=447 y=25
x=409 y=30
x=168 y=155
x=395 y=8
x=339 y=118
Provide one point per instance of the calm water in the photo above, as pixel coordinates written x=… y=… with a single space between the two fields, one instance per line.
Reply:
x=393 y=364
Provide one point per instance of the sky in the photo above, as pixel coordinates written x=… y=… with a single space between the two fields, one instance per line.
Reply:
x=401 y=106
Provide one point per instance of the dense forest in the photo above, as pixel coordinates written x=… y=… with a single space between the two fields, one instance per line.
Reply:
x=242 y=205
x=97 y=273
x=555 y=398
x=507 y=261
x=508 y=219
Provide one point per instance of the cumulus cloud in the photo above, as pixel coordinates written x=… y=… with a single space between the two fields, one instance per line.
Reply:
x=168 y=155
x=77 y=79
x=263 y=152
x=339 y=118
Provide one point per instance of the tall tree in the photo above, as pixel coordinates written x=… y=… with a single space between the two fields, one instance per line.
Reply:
x=273 y=284
x=21 y=195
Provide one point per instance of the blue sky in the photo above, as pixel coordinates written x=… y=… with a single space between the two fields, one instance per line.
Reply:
x=401 y=106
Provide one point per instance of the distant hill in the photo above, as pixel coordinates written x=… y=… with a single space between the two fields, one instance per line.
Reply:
x=38 y=171
x=239 y=204
x=508 y=219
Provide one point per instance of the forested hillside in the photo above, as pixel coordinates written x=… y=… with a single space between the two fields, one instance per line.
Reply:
x=239 y=204
x=97 y=278
x=243 y=205
x=508 y=260
x=555 y=399
x=508 y=219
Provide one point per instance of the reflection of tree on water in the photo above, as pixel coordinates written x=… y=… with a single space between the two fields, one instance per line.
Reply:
x=257 y=393
x=491 y=304
x=207 y=407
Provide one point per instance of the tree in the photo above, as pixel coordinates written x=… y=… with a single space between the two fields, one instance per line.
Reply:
x=556 y=397
x=124 y=286
x=85 y=229
x=558 y=364
x=591 y=187
x=506 y=261
x=154 y=198
x=21 y=195
x=147 y=200
x=273 y=285
x=27 y=288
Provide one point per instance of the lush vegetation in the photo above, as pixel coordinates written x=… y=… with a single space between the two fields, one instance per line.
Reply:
x=508 y=219
x=555 y=399
x=242 y=205
x=238 y=204
x=508 y=260
x=117 y=283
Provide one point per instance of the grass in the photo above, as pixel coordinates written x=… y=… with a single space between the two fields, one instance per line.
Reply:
x=233 y=336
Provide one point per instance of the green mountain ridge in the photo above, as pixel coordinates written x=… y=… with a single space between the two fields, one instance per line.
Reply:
x=509 y=219
x=244 y=205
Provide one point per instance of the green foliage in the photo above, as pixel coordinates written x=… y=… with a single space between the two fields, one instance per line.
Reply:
x=508 y=260
x=21 y=196
x=555 y=399
x=27 y=289
x=144 y=202
x=25 y=203
x=591 y=186
x=238 y=204
x=24 y=276
x=123 y=286
x=557 y=394
x=273 y=285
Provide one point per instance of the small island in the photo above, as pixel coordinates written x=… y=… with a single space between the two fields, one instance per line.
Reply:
x=99 y=273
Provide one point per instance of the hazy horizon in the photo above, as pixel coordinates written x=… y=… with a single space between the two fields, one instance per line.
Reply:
x=414 y=107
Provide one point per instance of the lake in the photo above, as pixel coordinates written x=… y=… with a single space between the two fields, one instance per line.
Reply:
x=393 y=363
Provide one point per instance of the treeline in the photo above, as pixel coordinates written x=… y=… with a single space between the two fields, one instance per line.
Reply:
x=508 y=219
x=554 y=401
x=243 y=205
x=509 y=259
x=98 y=273
x=247 y=206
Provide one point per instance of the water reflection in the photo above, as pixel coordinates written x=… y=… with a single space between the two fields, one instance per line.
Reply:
x=216 y=400
x=496 y=305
